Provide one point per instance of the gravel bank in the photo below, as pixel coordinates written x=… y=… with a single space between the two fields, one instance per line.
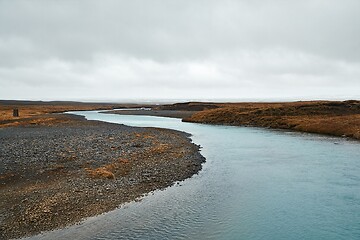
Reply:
x=53 y=176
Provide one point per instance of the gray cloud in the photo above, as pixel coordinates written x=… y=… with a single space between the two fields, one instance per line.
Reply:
x=181 y=49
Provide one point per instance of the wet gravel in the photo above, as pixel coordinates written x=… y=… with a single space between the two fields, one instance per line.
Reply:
x=54 y=176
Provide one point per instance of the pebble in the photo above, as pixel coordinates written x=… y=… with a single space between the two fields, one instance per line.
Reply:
x=53 y=161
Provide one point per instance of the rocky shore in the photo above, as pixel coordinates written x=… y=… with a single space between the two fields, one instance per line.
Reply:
x=54 y=175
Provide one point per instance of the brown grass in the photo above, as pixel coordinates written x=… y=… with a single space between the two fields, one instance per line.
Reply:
x=37 y=113
x=27 y=111
x=160 y=148
x=144 y=135
x=323 y=117
x=121 y=167
x=101 y=172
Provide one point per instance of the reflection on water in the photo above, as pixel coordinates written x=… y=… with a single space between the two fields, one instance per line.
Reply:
x=256 y=184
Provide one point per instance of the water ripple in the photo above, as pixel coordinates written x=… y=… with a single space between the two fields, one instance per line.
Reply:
x=256 y=184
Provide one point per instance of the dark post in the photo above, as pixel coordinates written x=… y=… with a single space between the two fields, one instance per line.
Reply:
x=16 y=112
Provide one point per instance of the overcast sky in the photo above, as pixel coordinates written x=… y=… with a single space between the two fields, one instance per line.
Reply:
x=179 y=49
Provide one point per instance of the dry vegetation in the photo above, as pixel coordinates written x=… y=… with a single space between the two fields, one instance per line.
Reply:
x=323 y=117
x=121 y=167
x=39 y=113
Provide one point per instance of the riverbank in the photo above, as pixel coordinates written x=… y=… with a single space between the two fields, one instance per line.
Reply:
x=156 y=113
x=334 y=118
x=57 y=172
x=40 y=112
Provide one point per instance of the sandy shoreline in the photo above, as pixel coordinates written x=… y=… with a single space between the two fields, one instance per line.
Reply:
x=54 y=176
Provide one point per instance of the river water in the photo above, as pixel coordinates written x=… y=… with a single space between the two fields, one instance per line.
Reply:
x=255 y=184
